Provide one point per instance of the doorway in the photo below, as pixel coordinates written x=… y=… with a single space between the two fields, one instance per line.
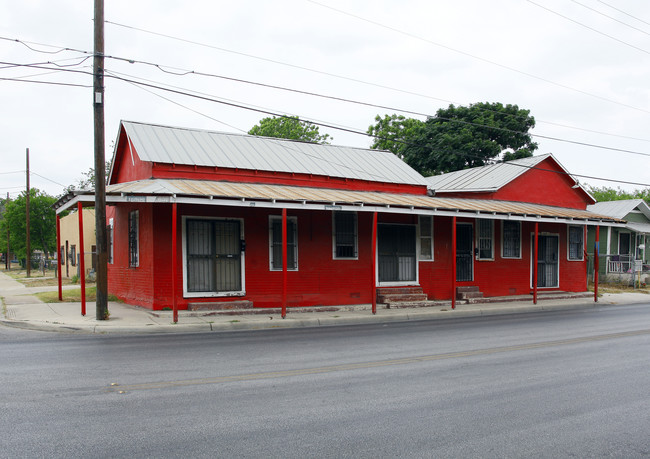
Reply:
x=397 y=255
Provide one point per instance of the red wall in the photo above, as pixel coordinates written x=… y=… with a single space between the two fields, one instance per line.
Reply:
x=548 y=187
x=320 y=280
x=501 y=276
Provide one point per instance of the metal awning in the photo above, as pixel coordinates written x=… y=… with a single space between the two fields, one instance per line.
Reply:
x=643 y=228
x=206 y=192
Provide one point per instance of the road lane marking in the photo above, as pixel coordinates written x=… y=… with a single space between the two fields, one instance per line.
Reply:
x=364 y=365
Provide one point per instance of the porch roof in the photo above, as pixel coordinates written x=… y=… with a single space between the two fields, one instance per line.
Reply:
x=643 y=228
x=280 y=196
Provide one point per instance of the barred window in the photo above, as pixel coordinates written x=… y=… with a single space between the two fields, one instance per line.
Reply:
x=109 y=240
x=73 y=255
x=134 y=239
x=426 y=237
x=576 y=243
x=511 y=247
x=275 y=242
x=345 y=235
x=485 y=239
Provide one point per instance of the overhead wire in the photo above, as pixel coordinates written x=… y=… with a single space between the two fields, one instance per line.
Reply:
x=623 y=12
x=610 y=17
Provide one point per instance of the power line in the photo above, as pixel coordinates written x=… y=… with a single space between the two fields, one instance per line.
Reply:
x=610 y=17
x=376 y=84
x=350 y=130
x=55 y=83
x=184 y=72
x=590 y=28
x=623 y=12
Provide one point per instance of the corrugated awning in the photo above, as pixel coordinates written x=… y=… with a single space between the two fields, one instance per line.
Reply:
x=262 y=195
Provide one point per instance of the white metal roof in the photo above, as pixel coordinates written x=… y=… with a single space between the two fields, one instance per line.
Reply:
x=484 y=178
x=619 y=209
x=172 y=145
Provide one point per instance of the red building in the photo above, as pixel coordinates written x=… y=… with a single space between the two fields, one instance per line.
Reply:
x=282 y=223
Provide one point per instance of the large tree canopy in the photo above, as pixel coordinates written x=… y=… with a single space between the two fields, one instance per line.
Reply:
x=617 y=194
x=289 y=127
x=458 y=137
x=42 y=223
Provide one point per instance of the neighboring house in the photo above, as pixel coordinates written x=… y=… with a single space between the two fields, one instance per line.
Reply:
x=70 y=250
x=623 y=251
x=198 y=217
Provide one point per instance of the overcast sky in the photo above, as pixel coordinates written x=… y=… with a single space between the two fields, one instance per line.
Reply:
x=582 y=67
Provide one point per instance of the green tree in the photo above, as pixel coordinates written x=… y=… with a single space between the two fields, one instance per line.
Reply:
x=605 y=193
x=289 y=127
x=459 y=137
x=42 y=223
x=393 y=132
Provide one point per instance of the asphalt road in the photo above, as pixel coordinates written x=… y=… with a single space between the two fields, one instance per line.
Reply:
x=556 y=384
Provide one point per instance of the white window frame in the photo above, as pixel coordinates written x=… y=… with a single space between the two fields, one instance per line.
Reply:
x=479 y=237
x=568 y=243
x=188 y=294
x=503 y=239
x=295 y=235
x=356 y=236
x=134 y=215
x=421 y=237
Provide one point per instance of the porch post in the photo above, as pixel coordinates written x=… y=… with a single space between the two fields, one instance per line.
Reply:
x=453 y=262
x=373 y=257
x=82 y=264
x=174 y=261
x=596 y=263
x=284 y=263
x=58 y=255
x=535 y=260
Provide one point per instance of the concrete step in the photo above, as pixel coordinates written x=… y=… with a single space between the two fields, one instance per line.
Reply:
x=415 y=304
x=469 y=295
x=396 y=297
x=220 y=305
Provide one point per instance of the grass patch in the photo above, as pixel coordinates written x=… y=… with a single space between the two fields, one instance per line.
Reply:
x=71 y=296
x=37 y=278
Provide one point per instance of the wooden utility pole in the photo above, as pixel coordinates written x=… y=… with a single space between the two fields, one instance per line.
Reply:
x=100 y=164
x=29 y=249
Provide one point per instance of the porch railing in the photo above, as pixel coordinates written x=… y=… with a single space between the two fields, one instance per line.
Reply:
x=623 y=264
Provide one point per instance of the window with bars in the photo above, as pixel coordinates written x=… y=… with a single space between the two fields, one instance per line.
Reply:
x=485 y=235
x=511 y=247
x=345 y=235
x=275 y=243
x=576 y=243
x=73 y=255
x=134 y=239
x=109 y=240
x=426 y=237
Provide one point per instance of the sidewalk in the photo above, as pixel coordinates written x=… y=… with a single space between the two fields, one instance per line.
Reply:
x=20 y=308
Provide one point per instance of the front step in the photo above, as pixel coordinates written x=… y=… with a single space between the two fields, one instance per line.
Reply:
x=220 y=305
x=402 y=297
x=468 y=292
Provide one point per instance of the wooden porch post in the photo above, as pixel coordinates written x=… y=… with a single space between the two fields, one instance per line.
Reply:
x=535 y=260
x=596 y=263
x=58 y=255
x=82 y=264
x=453 y=262
x=284 y=263
x=373 y=257
x=174 y=260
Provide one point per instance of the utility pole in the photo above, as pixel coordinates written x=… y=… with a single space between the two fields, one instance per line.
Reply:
x=100 y=164
x=29 y=249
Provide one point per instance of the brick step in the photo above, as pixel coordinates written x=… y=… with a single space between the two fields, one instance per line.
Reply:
x=415 y=304
x=469 y=295
x=399 y=290
x=467 y=289
x=398 y=297
x=220 y=305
